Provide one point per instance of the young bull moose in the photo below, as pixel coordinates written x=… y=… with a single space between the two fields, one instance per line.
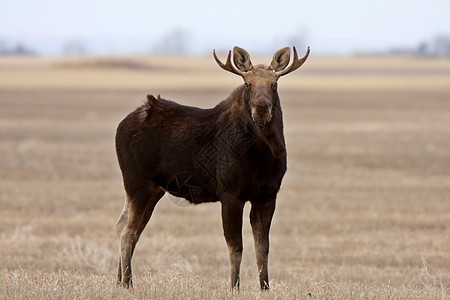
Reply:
x=232 y=153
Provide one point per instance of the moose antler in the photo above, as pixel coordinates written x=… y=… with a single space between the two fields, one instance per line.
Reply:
x=228 y=66
x=296 y=63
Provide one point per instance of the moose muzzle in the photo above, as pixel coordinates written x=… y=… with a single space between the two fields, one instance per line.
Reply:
x=261 y=107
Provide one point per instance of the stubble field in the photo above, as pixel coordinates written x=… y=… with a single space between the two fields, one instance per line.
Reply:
x=363 y=212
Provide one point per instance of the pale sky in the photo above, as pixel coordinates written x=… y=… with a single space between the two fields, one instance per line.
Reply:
x=329 y=26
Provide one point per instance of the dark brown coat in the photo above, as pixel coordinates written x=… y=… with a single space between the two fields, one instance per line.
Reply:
x=232 y=153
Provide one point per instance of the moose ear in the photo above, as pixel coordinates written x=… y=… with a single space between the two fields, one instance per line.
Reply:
x=280 y=59
x=241 y=59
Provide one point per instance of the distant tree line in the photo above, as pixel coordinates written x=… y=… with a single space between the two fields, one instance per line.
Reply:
x=71 y=47
x=16 y=49
x=178 y=41
x=437 y=46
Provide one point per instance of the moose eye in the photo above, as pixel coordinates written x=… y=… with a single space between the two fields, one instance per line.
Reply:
x=246 y=85
x=275 y=86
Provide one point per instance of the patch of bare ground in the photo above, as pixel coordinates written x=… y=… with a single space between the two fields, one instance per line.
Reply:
x=363 y=212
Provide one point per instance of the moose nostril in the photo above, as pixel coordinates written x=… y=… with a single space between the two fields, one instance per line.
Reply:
x=263 y=110
x=263 y=104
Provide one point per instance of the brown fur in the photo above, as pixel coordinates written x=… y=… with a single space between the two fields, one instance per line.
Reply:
x=232 y=153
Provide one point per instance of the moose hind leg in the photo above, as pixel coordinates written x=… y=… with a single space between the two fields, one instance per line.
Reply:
x=120 y=226
x=260 y=219
x=139 y=210
x=232 y=229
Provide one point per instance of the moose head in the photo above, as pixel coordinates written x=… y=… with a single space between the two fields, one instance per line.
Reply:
x=260 y=81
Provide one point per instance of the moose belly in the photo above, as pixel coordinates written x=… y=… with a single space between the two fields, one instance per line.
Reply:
x=259 y=193
x=189 y=186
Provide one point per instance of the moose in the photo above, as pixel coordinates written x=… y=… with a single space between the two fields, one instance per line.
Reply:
x=232 y=153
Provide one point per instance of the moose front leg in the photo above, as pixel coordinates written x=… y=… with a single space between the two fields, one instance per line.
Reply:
x=260 y=219
x=232 y=229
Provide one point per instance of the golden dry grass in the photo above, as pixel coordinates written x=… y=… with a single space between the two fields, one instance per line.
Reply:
x=364 y=210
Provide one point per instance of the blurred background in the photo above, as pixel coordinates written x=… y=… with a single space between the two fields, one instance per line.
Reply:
x=364 y=209
x=51 y=27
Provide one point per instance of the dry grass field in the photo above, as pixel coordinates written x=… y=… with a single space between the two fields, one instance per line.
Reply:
x=363 y=213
